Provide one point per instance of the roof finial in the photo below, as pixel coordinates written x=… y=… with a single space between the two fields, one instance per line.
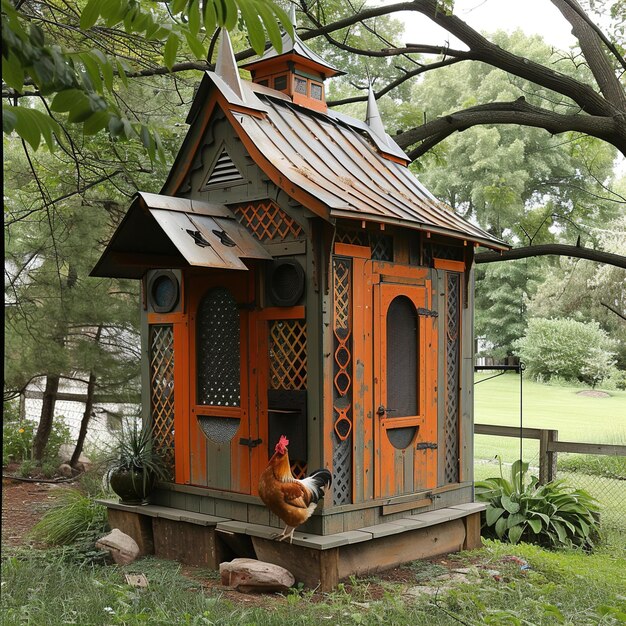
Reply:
x=292 y=15
x=372 y=117
x=226 y=66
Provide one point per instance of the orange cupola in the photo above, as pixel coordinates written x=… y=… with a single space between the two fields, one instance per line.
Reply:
x=297 y=72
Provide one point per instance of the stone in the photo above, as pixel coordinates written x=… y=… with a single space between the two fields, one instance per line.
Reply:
x=250 y=575
x=122 y=548
x=66 y=470
x=65 y=456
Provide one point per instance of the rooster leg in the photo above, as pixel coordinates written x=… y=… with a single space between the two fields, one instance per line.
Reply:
x=286 y=533
x=290 y=535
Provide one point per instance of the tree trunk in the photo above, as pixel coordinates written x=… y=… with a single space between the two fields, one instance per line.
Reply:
x=84 y=423
x=47 y=415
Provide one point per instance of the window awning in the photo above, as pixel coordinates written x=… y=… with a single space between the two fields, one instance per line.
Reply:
x=166 y=232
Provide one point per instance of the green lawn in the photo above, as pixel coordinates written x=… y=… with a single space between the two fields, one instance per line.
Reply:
x=577 y=418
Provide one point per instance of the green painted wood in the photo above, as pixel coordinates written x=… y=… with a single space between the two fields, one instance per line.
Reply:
x=192 y=503
x=207 y=506
x=467 y=382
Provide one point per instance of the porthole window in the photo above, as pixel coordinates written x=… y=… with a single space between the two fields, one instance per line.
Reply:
x=164 y=292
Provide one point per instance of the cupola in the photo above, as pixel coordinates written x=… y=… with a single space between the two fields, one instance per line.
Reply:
x=297 y=71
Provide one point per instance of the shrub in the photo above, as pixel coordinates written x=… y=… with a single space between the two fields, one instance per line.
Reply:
x=551 y=515
x=567 y=349
x=73 y=516
x=17 y=440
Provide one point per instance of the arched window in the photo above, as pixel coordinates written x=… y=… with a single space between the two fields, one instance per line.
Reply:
x=402 y=367
x=218 y=361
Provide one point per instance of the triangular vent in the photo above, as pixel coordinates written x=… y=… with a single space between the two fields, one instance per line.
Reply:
x=224 y=171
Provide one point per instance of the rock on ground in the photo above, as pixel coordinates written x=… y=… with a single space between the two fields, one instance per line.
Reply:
x=250 y=575
x=123 y=548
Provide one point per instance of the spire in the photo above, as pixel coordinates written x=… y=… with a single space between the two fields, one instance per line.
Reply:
x=226 y=66
x=292 y=15
x=373 y=119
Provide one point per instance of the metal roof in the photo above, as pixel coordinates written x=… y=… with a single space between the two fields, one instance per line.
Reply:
x=328 y=158
x=162 y=231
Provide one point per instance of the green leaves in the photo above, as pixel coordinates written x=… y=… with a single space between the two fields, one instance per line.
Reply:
x=80 y=81
x=30 y=124
x=551 y=515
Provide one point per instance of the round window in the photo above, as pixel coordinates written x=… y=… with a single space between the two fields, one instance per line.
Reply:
x=286 y=284
x=163 y=292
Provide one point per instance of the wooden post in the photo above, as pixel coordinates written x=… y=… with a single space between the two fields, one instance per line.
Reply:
x=547 y=457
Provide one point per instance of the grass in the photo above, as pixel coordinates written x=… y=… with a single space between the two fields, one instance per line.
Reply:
x=577 y=418
x=562 y=587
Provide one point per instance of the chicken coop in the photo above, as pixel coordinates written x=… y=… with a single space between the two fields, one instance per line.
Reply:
x=298 y=280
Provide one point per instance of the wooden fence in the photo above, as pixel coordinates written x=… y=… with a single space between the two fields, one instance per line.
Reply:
x=549 y=446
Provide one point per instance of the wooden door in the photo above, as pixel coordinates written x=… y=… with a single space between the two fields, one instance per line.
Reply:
x=221 y=433
x=404 y=389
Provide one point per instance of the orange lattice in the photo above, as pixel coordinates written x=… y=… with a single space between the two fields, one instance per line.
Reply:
x=298 y=469
x=267 y=221
x=288 y=364
x=162 y=391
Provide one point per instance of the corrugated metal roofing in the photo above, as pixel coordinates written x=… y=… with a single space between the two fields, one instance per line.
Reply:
x=332 y=161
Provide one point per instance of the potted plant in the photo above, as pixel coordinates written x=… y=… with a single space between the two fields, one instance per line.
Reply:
x=135 y=466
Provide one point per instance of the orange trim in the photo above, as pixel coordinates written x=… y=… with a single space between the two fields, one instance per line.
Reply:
x=403 y=271
x=166 y=318
x=311 y=203
x=181 y=404
x=192 y=147
x=357 y=252
x=282 y=313
x=453 y=266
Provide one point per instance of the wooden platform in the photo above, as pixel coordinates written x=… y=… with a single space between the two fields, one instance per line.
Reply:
x=315 y=560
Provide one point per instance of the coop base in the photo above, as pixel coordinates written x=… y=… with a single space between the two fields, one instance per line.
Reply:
x=314 y=560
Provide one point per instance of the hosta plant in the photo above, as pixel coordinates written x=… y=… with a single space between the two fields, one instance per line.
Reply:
x=552 y=515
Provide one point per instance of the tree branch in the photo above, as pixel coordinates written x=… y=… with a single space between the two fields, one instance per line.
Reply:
x=549 y=249
x=516 y=112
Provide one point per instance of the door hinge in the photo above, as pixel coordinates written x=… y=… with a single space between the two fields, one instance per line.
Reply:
x=251 y=443
x=426 y=445
x=427 y=312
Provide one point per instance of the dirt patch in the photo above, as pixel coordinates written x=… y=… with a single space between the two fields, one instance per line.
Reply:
x=593 y=393
x=23 y=504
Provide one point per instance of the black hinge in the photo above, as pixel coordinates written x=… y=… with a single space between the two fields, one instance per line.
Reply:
x=426 y=445
x=251 y=443
x=427 y=312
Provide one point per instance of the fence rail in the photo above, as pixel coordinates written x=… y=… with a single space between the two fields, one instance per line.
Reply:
x=549 y=445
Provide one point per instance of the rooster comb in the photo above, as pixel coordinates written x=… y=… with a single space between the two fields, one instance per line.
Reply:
x=281 y=446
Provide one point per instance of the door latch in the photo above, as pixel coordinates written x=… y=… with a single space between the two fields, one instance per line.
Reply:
x=426 y=445
x=251 y=443
x=383 y=409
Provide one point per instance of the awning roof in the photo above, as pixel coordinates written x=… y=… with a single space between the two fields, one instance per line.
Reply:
x=166 y=232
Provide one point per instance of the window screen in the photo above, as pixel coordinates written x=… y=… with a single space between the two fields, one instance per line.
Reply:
x=217 y=349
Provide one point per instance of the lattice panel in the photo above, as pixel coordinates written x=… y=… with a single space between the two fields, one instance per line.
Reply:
x=217 y=349
x=288 y=362
x=382 y=247
x=449 y=253
x=451 y=437
x=352 y=237
x=342 y=381
x=298 y=469
x=162 y=392
x=267 y=221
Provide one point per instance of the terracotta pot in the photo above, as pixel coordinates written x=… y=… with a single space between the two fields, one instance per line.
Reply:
x=131 y=485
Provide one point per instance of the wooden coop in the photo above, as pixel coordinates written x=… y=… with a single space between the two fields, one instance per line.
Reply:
x=297 y=279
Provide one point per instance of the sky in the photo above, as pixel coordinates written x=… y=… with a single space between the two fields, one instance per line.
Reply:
x=532 y=16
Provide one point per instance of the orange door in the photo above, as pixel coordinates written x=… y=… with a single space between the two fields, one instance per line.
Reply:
x=404 y=394
x=221 y=435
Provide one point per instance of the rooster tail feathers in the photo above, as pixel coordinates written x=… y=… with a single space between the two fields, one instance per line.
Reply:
x=317 y=483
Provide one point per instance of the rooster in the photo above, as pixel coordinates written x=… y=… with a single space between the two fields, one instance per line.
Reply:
x=289 y=498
